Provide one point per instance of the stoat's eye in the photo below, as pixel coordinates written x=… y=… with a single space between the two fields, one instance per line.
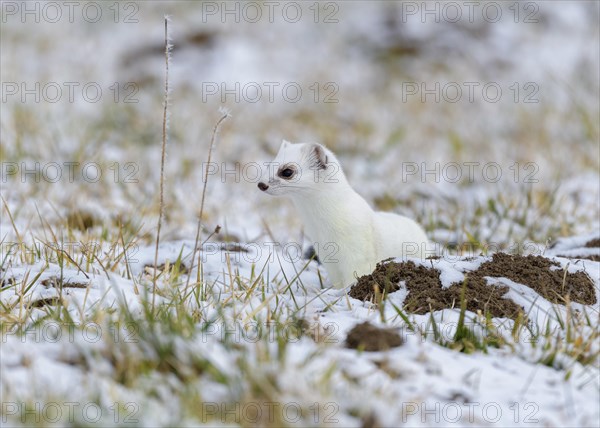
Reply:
x=286 y=173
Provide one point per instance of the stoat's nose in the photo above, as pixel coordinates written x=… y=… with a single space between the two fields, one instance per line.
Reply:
x=262 y=186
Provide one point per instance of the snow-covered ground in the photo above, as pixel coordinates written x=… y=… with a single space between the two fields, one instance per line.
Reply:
x=71 y=372
x=483 y=127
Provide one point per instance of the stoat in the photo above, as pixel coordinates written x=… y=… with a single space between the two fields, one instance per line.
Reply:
x=349 y=237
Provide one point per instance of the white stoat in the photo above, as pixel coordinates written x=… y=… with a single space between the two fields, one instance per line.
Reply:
x=349 y=237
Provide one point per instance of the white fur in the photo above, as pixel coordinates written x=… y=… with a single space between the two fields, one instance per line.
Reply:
x=348 y=236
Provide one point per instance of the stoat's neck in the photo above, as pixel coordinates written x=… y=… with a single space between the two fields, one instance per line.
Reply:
x=333 y=213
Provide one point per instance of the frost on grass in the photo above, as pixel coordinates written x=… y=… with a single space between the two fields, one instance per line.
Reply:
x=262 y=332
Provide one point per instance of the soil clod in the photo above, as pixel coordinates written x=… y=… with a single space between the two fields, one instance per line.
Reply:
x=54 y=282
x=368 y=337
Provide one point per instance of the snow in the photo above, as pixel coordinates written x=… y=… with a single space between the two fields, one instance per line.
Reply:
x=573 y=243
x=433 y=386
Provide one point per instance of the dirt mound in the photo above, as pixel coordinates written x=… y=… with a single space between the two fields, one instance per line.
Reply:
x=425 y=291
x=369 y=338
x=536 y=273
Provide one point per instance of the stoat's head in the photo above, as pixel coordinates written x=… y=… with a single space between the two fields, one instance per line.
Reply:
x=300 y=169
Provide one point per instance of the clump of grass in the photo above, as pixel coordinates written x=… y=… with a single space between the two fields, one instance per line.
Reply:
x=569 y=336
x=575 y=337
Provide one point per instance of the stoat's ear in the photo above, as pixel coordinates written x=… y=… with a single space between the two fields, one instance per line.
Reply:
x=318 y=157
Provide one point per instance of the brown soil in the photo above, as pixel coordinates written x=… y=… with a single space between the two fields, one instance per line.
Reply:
x=82 y=220
x=594 y=243
x=535 y=272
x=369 y=338
x=425 y=291
x=7 y=282
x=48 y=301
x=55 y=282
